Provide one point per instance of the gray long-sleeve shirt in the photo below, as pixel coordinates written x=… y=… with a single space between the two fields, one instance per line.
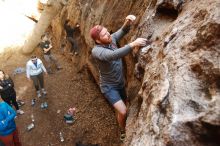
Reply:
x=109 y=62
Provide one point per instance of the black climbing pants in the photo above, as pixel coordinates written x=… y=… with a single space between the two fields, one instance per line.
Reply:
x=74 y=46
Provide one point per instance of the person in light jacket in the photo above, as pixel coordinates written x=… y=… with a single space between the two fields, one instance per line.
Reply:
x=49 y=57
x=34 y=71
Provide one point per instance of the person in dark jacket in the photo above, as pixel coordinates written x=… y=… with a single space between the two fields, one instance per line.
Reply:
x=109 y=56
x=8 y=128
x=46 y=47
x=7 y=91
x=70 y=32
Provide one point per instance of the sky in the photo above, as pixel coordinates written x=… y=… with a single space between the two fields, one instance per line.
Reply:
x=15 y=27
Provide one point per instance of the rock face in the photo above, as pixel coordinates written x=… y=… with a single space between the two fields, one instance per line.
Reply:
x=174 y=84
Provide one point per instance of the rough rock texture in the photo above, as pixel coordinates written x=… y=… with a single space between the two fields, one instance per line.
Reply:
x=180 y=89
x=178 y=103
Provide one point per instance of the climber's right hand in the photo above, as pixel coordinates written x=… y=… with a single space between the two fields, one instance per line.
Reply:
x=138 y=42
x=130 y=17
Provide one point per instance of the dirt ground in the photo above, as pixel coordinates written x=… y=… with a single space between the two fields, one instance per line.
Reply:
x=95 y=119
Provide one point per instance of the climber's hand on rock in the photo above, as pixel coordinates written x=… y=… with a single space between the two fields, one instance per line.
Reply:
x=138 y=42
x=131 y=18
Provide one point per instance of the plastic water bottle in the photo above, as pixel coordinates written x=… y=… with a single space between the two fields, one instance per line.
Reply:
x=61 y=137
x=32 y=118
x=30 y=126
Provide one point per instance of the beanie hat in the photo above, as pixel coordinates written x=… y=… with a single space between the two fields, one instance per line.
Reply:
x=94 y=32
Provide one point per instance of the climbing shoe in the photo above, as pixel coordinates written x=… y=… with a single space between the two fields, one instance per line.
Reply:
x=44 y=92
x=20 y=112
x=38 y=94
x=44 y=105
x=33 y=102
x=69 y=119
x=20 y=103
x=122 y=136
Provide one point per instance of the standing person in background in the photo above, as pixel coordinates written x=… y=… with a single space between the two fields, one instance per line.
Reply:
x=109 y=59
x=34 y=71
x=69 y=36
x=7 y=91
x=48 y=56
x=8 y=129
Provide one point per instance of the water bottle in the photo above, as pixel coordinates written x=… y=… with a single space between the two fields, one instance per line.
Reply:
x=32 y=118
x=61 y=137
x=30 y=126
